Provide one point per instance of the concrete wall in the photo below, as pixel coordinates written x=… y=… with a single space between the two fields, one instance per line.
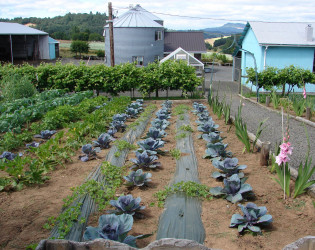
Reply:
x=131 y=42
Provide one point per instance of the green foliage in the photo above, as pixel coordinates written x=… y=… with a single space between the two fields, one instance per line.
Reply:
x=101 y=192
x=180 y=136
x=122 y=145
x=284 y=176
x=187 y=128
x=298 y=105
x=275 y=99
x=100 y=53
x=241 y=130
x=190 y=188
x=79 y=47
x=61 y=27
x=16 y=86
x=181 y=109
x=175 y=153
x=273 y=77
x=258 y=132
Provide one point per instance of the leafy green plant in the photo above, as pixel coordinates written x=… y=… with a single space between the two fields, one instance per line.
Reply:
x=144 y=160
x=126 y=204
x=180 y=136
x=275 y=99
x=190 y=188
x=175 y=153
x=181 y=109
x=303 y=181
x=253 y=217
x=187 y=128
x=123 y=145
x=150 y=145
x=228 y=167
x=298 y=105
x=137 y=178
x=283 y=178
x=217 y=151
x=113 y=227
x=227 y=113
x=258 y=132
x=89 y=152
x=234 y=189
x=241 y=130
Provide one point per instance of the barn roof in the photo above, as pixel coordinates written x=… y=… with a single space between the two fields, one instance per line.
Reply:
x=18 y=29
x=192 y=42
x=137 y=17
x=281 y=33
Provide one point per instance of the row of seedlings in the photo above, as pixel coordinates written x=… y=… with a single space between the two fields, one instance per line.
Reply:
x=235 y=189
x=118 y=222
x=118 y=124
x=15 y=163
x=84 y=201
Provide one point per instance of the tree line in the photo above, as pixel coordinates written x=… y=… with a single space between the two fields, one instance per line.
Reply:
x=81 y=26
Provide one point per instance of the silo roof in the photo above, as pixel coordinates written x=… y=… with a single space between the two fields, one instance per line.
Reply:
x=137 y=17
x=18 y=29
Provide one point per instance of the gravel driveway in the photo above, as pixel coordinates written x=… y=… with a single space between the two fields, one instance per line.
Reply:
x=253 y=114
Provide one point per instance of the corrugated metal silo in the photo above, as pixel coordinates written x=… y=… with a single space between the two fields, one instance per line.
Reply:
x=138 y=36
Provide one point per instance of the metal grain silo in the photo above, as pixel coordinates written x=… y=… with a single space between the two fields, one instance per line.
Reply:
x=138 y=37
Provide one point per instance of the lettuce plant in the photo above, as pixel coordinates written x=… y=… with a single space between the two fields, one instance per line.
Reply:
x=113 y=227
x=156 y=133
x=103 y=141
x=46 y=134
x=234 y=189
x=217 y=151
x=208 y=127
x=145 y=161
x=89 y=152
x=150 y=145
x=253 y=218
x=126 y=204
x=138 y=178
x=212 y=137
x=160 y=124
x=228 y=167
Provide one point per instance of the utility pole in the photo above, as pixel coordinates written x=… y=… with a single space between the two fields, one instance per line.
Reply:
x=111 y=34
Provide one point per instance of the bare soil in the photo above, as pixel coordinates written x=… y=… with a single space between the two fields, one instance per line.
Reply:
x=23 y=213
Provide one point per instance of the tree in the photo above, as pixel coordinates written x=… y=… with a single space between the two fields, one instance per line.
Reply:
x=208 y=46
x=79 y=47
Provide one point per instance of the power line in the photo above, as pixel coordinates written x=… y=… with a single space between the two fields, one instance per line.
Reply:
x=190 y=17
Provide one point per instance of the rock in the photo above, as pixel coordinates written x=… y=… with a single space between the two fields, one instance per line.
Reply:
x=100 y=244
x=305 y=243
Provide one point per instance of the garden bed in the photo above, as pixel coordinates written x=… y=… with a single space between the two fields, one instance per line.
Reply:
x=24 y=213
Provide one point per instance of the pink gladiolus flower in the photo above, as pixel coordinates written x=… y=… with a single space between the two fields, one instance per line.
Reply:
x=286 y=149
x=304 y=93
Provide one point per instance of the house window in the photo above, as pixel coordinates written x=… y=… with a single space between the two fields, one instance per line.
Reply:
x=138 y=60
x=181 y=56
x=158 y=35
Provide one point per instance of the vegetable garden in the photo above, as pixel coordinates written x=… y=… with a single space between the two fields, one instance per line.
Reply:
x=134 y=172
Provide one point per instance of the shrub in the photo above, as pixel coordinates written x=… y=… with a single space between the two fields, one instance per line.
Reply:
x=79 y=47
x=16 y=86
x=100 y=53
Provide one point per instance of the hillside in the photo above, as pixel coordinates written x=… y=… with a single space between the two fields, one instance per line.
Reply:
x=62 y=27
x=226 y=29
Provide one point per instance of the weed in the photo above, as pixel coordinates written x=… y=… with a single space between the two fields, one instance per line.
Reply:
x=175 y=153
x=186 y=128
x=122 y=145
x=180 y=136
x=181 y=109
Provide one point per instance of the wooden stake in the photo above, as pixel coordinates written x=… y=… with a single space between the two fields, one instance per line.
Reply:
x=267 y=101
x=264 y=154
x=308 y=113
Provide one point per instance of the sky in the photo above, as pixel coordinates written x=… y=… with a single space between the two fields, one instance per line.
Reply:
x=175 y=13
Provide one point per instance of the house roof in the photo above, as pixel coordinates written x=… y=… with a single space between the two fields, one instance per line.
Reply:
x=280 y=33
x=191 y=61
x=137 y=17
x=18 y=29
x=192 y=42
x=51 y=40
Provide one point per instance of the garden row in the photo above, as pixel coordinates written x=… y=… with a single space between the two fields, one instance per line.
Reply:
x=77 y=124
x=112 y=80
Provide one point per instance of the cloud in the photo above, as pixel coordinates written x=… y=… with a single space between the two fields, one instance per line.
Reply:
x=217 y=12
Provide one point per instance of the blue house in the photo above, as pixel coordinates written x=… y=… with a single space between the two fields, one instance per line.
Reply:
x=53 y=48
x=278 y=44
